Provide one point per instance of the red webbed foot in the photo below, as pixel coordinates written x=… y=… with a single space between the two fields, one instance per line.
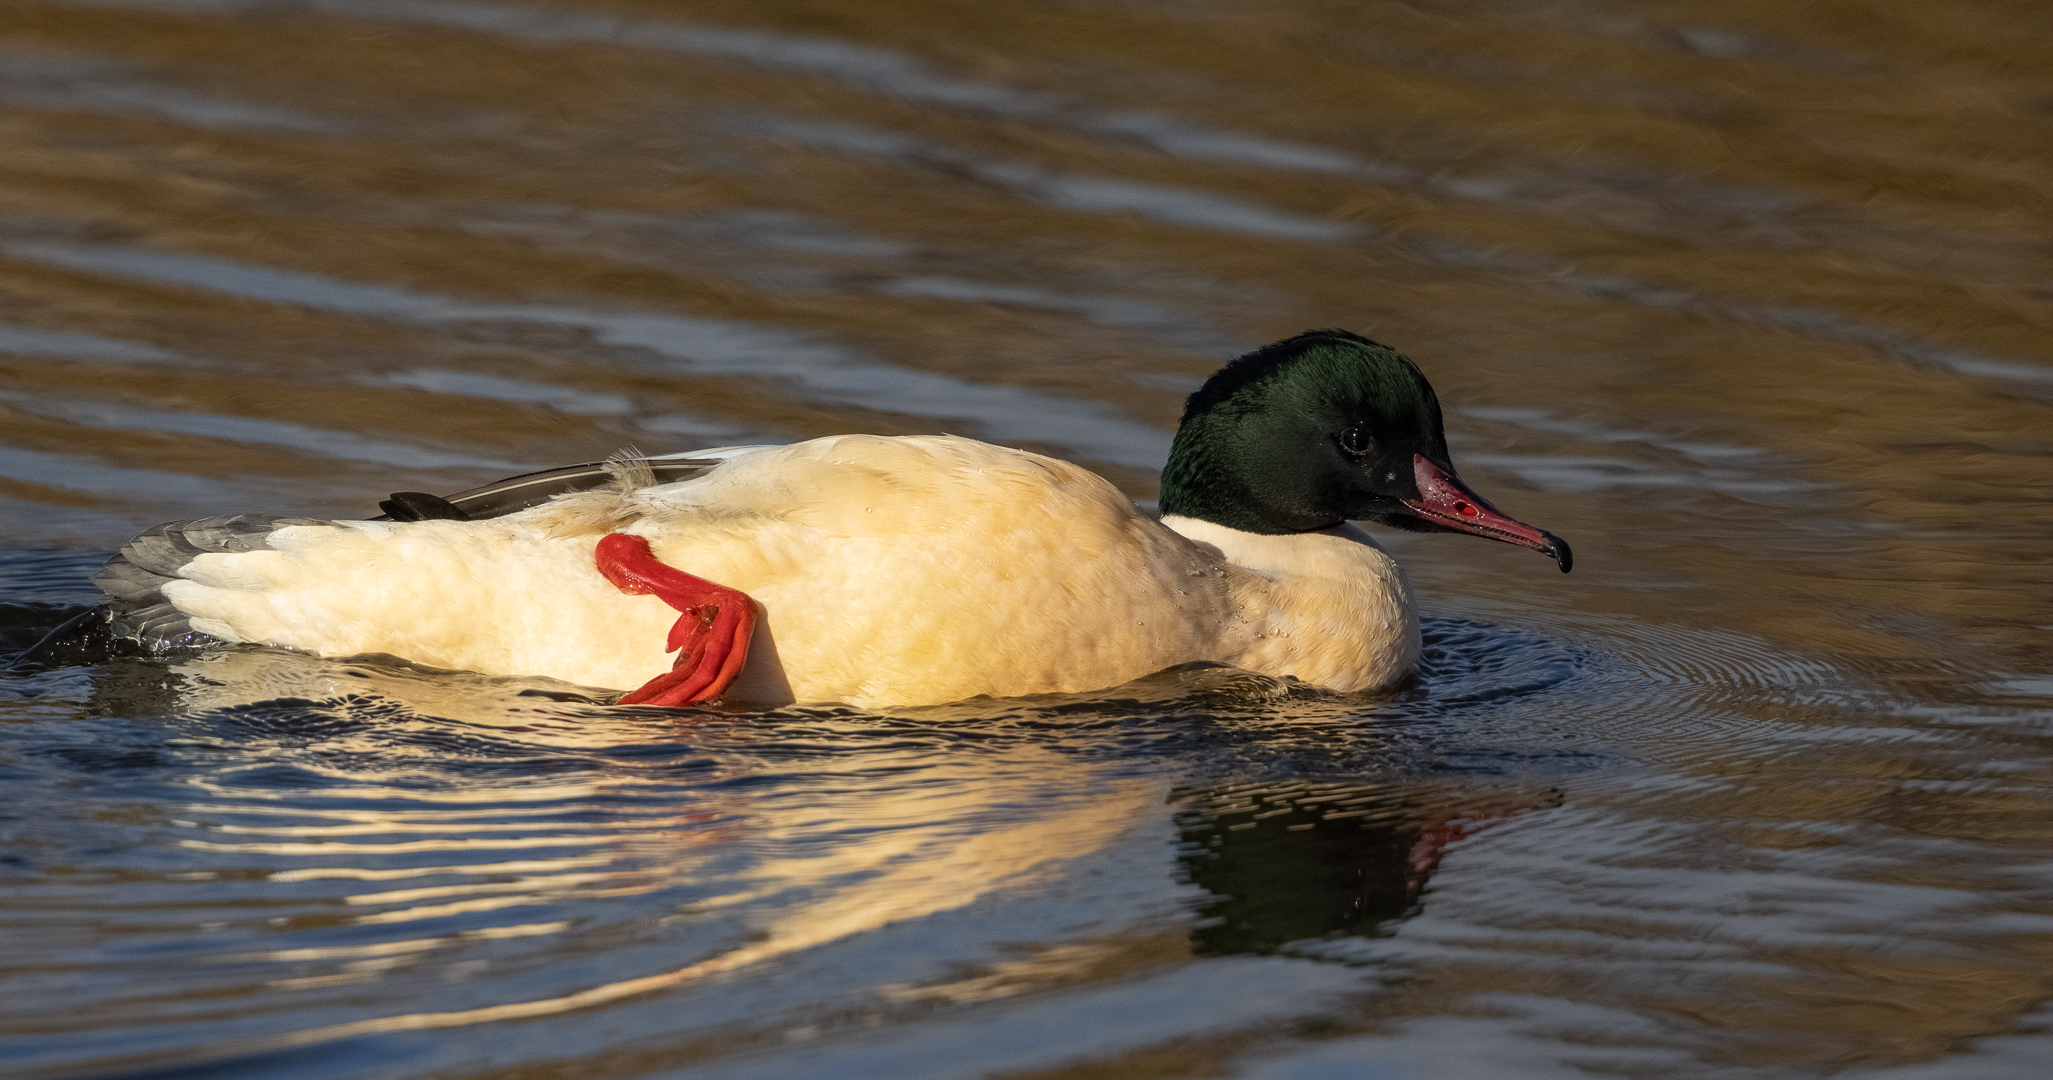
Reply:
x=711 y=637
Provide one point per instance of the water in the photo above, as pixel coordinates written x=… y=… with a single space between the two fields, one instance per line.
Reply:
x=1749 y=302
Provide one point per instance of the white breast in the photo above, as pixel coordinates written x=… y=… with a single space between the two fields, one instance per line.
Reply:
x=1330 y=607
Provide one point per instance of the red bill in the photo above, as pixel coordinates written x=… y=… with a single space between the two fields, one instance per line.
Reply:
x=1444 y=500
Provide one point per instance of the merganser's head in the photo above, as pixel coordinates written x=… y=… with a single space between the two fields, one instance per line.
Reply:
x=1322 y=428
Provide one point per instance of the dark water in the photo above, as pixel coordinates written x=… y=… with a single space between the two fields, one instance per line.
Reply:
x=1751 y=301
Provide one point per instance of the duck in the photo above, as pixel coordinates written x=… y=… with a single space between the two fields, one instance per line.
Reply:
x=878 y=571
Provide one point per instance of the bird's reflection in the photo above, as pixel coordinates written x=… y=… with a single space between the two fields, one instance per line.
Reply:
x=1292 y=863
x=749 y=839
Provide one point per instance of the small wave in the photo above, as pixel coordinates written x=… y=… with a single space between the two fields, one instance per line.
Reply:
x=1466 y=662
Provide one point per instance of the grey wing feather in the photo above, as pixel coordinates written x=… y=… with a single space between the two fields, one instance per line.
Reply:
x=134 y=578
x=124 y=580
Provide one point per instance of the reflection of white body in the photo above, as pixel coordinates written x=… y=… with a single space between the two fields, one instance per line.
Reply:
x=830 y=858
x=888 y=570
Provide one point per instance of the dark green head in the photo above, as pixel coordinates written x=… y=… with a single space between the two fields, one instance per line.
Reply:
x=1322 y=428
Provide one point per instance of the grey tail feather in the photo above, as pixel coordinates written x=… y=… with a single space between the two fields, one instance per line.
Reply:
x=134 y=578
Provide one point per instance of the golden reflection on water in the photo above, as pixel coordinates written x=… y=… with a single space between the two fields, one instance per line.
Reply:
x=936 y=873
x=1747 y=299
x=904 y=855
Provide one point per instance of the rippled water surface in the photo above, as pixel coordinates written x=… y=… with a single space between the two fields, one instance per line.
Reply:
x=1751 y=301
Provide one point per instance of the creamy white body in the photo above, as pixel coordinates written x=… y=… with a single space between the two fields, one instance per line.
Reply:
x=889 y=571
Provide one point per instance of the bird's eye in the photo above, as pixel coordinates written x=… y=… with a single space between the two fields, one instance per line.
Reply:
x=1356 y=440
